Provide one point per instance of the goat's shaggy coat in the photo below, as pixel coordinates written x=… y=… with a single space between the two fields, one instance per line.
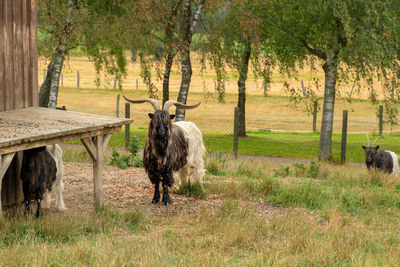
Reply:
x=38 y=173
x=58 y=186
x=171 y=148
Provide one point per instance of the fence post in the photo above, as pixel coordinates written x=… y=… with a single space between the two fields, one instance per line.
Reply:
x=314 y=120
x=77 y=79
x=344 y=137
x=380 y=115
x=127 y=126
x=137 y=84
x=236 y=133
x=117 y=107
x=115 y=81
x=303 y=89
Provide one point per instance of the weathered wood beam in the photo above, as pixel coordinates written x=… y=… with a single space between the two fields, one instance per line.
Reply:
x=90 y=147
x=57 y=140
x=5 y=161
x=96 y=147
x=98 y=172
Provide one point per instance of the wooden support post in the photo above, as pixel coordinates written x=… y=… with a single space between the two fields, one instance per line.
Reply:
x=5 y=161
x=344 y=137
x=77 y=79
x=314 y=122
x=127 y=126
x=380 y=115
x=117 y=107
x=236 y=133
x=96 y=146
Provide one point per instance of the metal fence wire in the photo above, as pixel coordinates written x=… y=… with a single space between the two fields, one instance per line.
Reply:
x=275 y=131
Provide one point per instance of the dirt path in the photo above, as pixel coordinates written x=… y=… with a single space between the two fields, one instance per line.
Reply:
x=123 y=190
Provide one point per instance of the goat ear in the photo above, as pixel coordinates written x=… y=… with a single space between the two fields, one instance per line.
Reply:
x=151 y=115
x=364 y=147
x=377 y=147
x=171 y=117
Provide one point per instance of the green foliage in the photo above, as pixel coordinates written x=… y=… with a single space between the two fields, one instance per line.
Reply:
x=306 y=195
x=283 y=171
x=194 y=190
x=124 y=161
x=299 y=170
x=216 y=165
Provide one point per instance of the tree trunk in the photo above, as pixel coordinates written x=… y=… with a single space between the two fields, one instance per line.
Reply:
x=325 y=141
x=242 y=90
x=170 y=50
x=44 y=91
x=49 y=89
x=186 y=65
x=167 y=72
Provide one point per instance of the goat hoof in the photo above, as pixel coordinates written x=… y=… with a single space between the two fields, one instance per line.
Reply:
x=154 y=201
x=166 y=202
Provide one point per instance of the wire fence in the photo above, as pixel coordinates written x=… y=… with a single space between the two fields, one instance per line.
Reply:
x=271 y=135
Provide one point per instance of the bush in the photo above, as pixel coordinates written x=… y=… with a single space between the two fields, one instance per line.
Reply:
x=124 y=161
x=192 y=190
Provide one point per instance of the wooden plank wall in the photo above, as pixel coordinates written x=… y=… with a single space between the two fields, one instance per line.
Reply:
x=18 y=54
x=18 y=75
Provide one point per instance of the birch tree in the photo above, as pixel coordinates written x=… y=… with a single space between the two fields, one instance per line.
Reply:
x=351 y=39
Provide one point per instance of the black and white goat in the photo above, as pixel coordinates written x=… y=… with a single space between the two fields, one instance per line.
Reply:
x=386 y=161
x=171 y=148
x=38 y=173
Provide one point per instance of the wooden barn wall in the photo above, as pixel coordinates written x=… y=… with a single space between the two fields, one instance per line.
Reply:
x=18 y=76
x=18 y=54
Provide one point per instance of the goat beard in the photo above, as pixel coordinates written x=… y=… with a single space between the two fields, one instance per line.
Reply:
x=160 y=149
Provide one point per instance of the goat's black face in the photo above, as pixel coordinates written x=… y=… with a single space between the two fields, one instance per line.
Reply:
x=370 y=153
x=160 y=123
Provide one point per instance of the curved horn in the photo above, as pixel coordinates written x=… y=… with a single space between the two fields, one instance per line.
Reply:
x=168 y=104
x=368 y=139
x=376 y=140
x=154 y=102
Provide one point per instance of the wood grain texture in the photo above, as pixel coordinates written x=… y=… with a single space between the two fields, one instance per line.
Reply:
x=18 y=54
x=31 y=127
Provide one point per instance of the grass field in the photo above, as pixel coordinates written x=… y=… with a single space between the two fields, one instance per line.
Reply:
x=274 y=127
x=263 y=214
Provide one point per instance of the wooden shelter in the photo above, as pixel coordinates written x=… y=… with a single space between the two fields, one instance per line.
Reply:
x=23 y=125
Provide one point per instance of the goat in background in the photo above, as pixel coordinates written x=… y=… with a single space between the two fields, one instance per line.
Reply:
x=386 y=161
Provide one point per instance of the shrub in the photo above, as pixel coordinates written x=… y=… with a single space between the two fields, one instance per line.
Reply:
x=192 y=190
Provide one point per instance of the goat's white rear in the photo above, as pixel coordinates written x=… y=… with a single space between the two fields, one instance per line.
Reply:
x=396 y=169
x=58 y=186
x=194 y=169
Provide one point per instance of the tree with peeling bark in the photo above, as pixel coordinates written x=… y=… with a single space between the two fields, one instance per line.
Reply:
x=235 y=38
x=57 y=25
x=157 y=31
x=350 y=39
x=188 y=24
x=96 y=27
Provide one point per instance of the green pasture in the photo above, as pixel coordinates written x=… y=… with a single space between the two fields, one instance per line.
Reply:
x=285 y=144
